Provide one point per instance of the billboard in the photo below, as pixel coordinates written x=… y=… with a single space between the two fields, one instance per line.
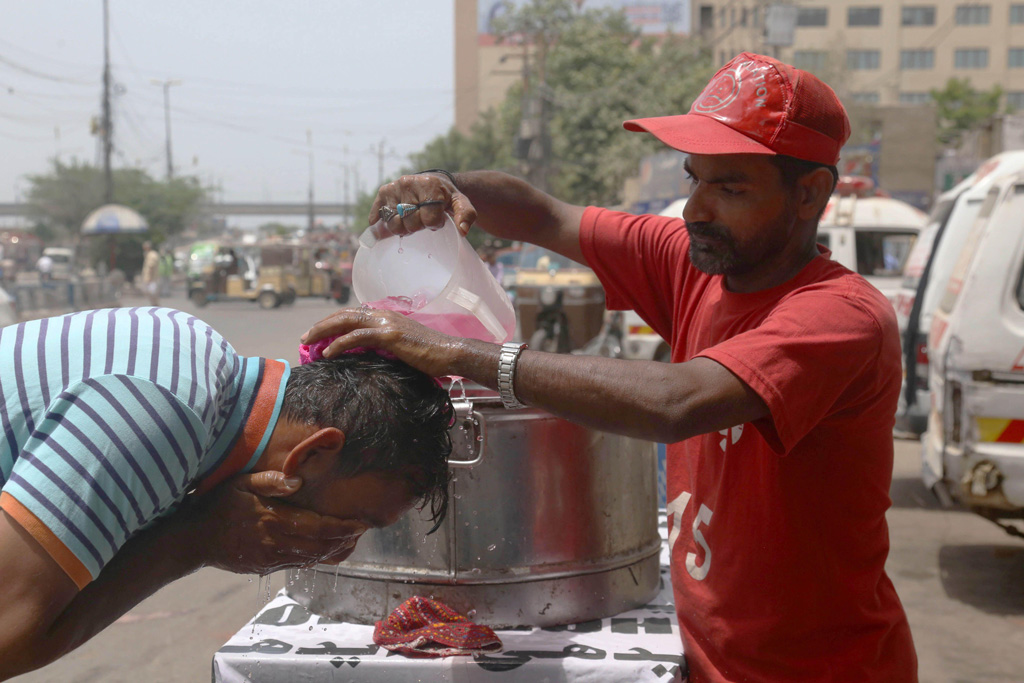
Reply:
x=650 y=17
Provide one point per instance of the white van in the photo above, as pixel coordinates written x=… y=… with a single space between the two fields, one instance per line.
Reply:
x=974 y=444
x=925 y=277
x=63 y=260
x=872 y=236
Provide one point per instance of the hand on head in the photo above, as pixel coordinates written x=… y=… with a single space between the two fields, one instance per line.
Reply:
x=408 y=340
x=417 y=189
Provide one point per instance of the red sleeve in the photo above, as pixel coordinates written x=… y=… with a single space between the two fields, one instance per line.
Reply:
x=824 y=349
x=640 y=260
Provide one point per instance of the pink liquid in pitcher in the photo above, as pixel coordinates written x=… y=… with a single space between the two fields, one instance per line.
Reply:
x=455 y=324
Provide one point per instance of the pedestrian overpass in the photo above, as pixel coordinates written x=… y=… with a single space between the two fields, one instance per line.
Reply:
x=20 y=209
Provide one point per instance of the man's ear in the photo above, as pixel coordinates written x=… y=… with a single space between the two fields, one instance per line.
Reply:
x=328 y=442
x=813 y=191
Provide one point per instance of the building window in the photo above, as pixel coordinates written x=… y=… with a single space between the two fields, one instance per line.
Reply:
x=744 y=16
x=756 y=20
x=917 y=59
x=971 y=59
x=1015 y=100
x=1015 y=59
x=863 y=59
x=812 y=16
x=971 y=15
x=918 y=16
x=864 y=16
x=915 y=98
x=810 y=60
x=865 y=97
x=1017 y=14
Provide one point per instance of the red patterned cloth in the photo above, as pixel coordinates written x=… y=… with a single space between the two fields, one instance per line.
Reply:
x=420 y=627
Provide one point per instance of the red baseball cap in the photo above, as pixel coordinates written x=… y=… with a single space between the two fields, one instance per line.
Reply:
x=757 y=105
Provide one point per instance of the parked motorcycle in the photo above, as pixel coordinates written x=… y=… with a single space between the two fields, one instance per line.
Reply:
x=559 y=303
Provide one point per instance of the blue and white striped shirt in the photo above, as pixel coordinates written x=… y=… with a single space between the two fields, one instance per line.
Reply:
x=111 y=417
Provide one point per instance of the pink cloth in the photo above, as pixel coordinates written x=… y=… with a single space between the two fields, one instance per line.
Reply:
x=315 y=351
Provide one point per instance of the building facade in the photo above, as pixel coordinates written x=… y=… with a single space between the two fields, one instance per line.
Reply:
x=883 y=52
x=485 y=68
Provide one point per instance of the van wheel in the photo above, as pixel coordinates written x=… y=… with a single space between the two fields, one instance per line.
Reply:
x=198 y=297
x=289 y=297
x=268 y=300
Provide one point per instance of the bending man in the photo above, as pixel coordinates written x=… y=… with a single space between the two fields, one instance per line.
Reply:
x=126 y=431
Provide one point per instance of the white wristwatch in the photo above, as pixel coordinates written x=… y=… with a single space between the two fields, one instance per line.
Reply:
x=506 y=374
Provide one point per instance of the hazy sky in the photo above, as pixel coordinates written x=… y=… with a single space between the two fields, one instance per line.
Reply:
x=255 y=75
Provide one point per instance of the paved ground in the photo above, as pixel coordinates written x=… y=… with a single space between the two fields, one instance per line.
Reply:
x=961 y=578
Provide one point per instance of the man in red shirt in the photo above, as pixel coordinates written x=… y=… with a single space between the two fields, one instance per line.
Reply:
x=778 y=405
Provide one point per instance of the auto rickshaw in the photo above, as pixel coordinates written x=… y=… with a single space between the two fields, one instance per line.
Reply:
x=559 y=303
x=219 y=272
x=307 y=266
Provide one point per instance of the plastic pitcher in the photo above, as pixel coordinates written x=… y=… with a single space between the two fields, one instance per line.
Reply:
x=436 y=278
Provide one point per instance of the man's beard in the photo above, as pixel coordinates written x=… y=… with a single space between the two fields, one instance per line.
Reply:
x=724 y=256
x=721 y=257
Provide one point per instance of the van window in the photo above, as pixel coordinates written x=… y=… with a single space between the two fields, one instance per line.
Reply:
x=956 y=278
x=824 y=239
x=882 y=252
x=943 y=260
x=941 y=210
x=1020 y=289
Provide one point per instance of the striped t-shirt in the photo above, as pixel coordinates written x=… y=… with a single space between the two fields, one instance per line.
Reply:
x=111 y=417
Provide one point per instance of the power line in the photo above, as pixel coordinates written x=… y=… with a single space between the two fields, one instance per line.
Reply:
x=45 y=76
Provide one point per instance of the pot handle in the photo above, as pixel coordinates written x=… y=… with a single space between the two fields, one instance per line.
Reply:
x=469 y=430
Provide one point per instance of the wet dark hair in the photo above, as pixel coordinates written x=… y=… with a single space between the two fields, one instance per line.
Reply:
x=792 y=169
x=395 y=420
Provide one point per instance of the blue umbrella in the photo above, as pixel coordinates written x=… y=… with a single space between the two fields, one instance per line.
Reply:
x=114 y=219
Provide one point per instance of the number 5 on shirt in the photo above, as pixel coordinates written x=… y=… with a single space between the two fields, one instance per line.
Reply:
x=675 y=512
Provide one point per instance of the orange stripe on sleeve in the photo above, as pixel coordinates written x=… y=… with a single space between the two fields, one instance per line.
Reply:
x=56 y=549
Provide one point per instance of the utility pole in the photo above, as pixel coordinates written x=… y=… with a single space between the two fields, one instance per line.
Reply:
x=312 y=218
x=106 y=129
x=167 y=118
x=380 y=161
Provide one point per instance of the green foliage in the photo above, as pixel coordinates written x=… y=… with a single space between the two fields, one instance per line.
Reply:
x=960 y=107
x=592 y=70
x=59 y=202
x=600 y=75
x=588 y=71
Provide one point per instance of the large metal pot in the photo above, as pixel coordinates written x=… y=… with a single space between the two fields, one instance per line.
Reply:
x=550 y=523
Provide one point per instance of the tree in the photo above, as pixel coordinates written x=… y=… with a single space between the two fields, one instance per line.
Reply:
x=586 y=71
x=960 y=108
x=59 y=202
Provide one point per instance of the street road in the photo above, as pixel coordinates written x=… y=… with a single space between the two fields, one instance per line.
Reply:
x=960 y=577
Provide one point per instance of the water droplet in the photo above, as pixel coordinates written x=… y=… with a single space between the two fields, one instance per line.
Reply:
x=471 y=613
x=479 y=437
x=492 y=546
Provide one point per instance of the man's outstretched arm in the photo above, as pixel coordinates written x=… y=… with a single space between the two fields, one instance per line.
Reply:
x=237 y=527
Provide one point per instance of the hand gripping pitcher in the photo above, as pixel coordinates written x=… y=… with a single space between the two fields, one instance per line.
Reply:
x=435 y=278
